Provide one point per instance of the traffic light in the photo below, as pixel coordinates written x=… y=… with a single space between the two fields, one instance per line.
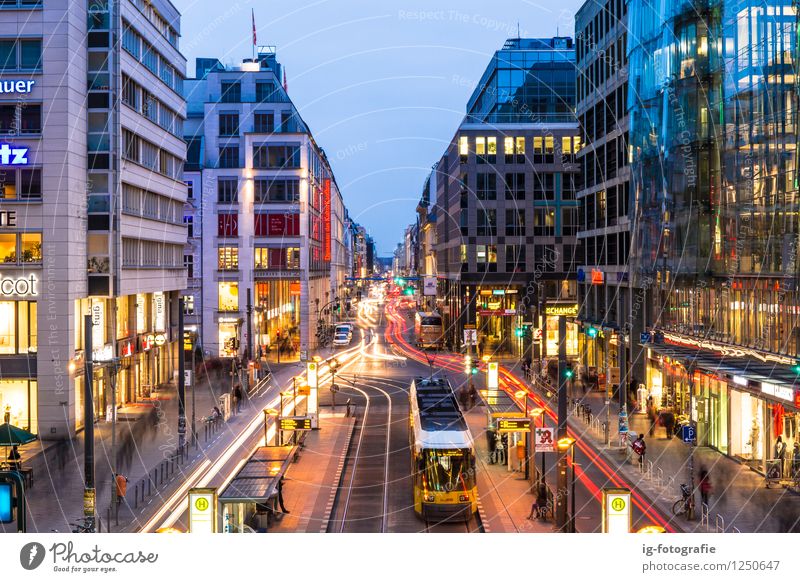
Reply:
x=592 y=332
x=408 y=291
x=569 y=374
x=519 y=332
x=467 y=365
x=796 y=368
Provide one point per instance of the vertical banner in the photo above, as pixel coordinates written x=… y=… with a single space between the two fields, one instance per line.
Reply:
x=202 y=510
x=616 y=511
x=326 y=219
x=492 y=376
x=312 y=377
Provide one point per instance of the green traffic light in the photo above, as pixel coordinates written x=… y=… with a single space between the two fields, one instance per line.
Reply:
x=796 y=368
x=408 y=291
x=474 y=370
x=519 y=332
x=592 y=332
x=569 y=374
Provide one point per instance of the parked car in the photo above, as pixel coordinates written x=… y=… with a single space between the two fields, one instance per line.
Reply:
x=342 y=339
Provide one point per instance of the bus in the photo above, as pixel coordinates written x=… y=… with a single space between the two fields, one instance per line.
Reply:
x=428 y=329
x=443 y=463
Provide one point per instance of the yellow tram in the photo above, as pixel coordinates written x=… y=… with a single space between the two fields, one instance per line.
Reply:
x=443 y=464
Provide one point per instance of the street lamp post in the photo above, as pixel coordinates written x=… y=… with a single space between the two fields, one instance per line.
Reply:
x=333 y=364
x=269 y=412
x=523 y=395
x=566 y=446
x=538 y=411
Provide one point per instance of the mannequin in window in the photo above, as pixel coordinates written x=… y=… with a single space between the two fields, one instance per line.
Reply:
x=780 y=453
x=754 y=436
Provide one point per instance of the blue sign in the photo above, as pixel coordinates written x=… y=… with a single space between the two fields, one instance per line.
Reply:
x=6 y=503
x=688 y=433
x=644 y=338
x=623 y=421
x=11 y=156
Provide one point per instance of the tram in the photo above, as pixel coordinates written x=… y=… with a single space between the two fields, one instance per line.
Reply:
x=443 y=466
x=428 y=329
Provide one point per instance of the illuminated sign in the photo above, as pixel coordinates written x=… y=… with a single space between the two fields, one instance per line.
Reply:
x=598 y=278
x=8 y=218
x=326 y=219
x=16 y=86
x=295 y=423
x=311 y=374
x=11 y=156
x=202 y=510
x=544 y=439
x=23 y=287
x=778 y=391
x=103 y=354
x=514 y=425
x=159 y=312
x=492 y=375
x=616 y=511
x=160 y=339
x=565 y=309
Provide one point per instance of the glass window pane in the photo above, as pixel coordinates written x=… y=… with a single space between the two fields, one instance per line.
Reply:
x=8 y=183
x=8 y=55
x=31 y=247
x=7 y=331
x=8 y=248
x=30 y=56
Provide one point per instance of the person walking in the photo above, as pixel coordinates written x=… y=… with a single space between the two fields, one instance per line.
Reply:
x=651 y=416
x=640 y=448
x=237 y=397
x=796 y=462
x=705 y=486
x=121 y=484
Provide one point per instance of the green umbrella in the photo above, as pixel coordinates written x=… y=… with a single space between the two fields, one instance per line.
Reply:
x=13 y=436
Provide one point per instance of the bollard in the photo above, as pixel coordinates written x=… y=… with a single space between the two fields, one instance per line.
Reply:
x=136 y=496
x=149 y=485
x=108 y=521
x=605 y=432
x=162 y=471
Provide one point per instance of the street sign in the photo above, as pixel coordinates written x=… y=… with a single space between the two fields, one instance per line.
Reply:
x=311 y=374
x=616 y=511
x=613 y=376
x=202 y=510
x=688 y=433
x=295 y=423
x=429 y=286
x=303 y=355
x=187 y=378
x=514 y=425
x=544 y=440
x=304 y=390
x=471 y=337
x=492 y=380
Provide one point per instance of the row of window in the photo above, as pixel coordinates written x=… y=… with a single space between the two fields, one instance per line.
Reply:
x=271 y=157
x=146 y=253
x=544 y=222
x=20 y=118
x=21 y=54
x=140 y=202
x=20 y=248
x=612 y=13
x=610 y=249
x=263 y=258
x=154 y=61
x=605 y=116
x=266 y=92
x=149 y=155
x=143 y=101
x=275 y=190
x=265 y=224
x=165 y=28
x=22 y=184
x=544 y=148
x=513 y=184
x=263 y=122
x=546 y=258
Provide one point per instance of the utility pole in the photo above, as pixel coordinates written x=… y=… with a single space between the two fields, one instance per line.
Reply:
x=562 y=492
x=249 y=347
x=89 y=493
x=181 y=381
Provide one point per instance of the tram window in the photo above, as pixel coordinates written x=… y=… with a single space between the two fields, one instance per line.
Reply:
x=449 y=470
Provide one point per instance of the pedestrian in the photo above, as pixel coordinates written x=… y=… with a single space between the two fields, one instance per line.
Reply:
x=14 y=459
x=780 y=453
x=237 y=397
x=651 y=416
x=61 y=454
x=796 y=461
x=640 y=448
x=121 y=484
x=705 y=486
x=491 y=441
x=668 y=420
x=539 y=506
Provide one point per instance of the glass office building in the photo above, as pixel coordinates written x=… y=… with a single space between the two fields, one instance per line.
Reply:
x=713 y=134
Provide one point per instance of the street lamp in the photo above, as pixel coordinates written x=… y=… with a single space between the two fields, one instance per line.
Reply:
x=534 y=412
x=269 y=412
x=566 y=444
x=333 y=365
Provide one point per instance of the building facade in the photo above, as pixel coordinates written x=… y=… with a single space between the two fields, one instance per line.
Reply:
x=713 y=135
x=506 y=207
x=92 y=205
x=268 y=216
x=604 y=292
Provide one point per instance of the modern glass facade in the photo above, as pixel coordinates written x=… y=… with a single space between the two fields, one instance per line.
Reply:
x=529 y=80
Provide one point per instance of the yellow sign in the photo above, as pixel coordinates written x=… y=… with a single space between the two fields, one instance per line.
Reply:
x=311 y=374
x=492 y=375
x=616 y=510
x=202 y=510
x=88 y=501
x=295 y=423
x=565 y=309
x=514 y=425
x=618 y=504
x=304 y=390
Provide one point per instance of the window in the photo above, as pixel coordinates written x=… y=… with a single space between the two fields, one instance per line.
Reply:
x=228 y=258
x=227 y=190
x=543 y=150
x=276 y=190
x=544 y=222
x=30 y=54
x=515 y=186
x=480 y=149
x=519 y=149
x=231 y=92
x=8 y=248
x=265 y=92
x=545 y=258
x=228 y=124
x=515 y=222
x=508 y=149
x=227 y=225
x=487 y=222
x=20 y=118
x=276 y=157
x=20 y=248
x=18 y=329
x=569 y=222
x=264 y=122
x=491 y=149
x=544 y=187
x=188 y=304
x=486 y=254
x=228 y=295
x=277 y=224
x=284 y=258
x=568 y=186
x=514 y=150
x=229 y=157
x=462 y=253
x=188 y=264
x=463 y=148
x=487 y=186
x=515 y=259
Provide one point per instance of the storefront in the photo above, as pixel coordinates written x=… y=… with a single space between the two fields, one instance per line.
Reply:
x=18 y=401
x=277 y=311
x=711 y=410
x=18 y=349
x=496 y=320
x=669 y=384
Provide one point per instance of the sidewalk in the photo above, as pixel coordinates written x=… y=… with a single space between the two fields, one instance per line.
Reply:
x=739 y=502
x=56 y=499
x=504 y=497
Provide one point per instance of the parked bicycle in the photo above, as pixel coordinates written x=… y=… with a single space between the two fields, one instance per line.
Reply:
x=685 y=503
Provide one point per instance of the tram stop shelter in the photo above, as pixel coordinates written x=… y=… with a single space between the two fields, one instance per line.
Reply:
x=252 y=500
x=500 y=409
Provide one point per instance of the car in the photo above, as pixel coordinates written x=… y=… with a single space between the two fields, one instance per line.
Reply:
x=345 y=328
x=342 y=339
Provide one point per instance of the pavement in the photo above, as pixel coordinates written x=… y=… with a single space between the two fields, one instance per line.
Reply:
x=56 y=499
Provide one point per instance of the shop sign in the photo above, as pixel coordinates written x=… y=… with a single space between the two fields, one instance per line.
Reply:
x=8 y=218
x=498 y=292
x=22 y=287
x=97 y=310
x=326 y=219
x=561 y=309
x=147 y=342
x=126 y=349
x=103 y=354
x=429 y=286
x=159 y=312
x=159 y=339
x=16 y=86
x=598 y=277
x=544 y=439
x=11 y=156
x=778 y=391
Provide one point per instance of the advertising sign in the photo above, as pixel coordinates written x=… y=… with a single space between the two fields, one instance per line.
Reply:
x=471 y=337
x=202 y=510
x=326 y=219
x=429 y=286
x=544 y=439
x=159 y=312
x=561 y=308
x=492 y=375
x=616 y=511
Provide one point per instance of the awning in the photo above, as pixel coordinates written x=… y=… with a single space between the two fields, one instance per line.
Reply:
x=257 y=481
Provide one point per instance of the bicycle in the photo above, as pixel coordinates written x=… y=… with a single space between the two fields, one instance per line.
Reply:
x=82 y=527
x=685 y=503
